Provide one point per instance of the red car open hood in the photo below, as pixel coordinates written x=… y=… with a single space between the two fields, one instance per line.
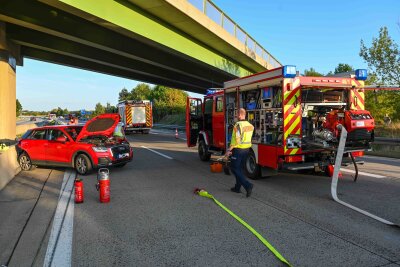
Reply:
x=100 y=125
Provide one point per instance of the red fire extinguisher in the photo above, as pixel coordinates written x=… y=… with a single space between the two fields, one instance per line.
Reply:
x=78 y=185
x=103 y=185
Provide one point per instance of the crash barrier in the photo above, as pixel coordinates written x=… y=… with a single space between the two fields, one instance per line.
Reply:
x=387 y=140
x=169 y=127
x=338 y=163
x=203 y=193
x=9 y=166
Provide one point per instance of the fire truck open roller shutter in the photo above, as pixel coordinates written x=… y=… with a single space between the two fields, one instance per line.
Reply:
x=265 y=79
x=254 y=86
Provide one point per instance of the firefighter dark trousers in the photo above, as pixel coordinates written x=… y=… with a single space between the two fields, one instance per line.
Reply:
x=237 y=160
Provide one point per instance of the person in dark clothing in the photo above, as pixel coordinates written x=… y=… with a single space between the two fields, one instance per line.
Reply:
x=238 y=150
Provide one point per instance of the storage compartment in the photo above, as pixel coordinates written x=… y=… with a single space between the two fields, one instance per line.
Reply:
x=264 y=112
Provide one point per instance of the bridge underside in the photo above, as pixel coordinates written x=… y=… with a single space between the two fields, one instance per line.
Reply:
x=45 y=32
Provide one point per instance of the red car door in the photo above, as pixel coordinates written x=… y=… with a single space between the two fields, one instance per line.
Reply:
x=34 y=145
x=57 y=151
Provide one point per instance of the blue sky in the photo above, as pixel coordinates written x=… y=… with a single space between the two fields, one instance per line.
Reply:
x=318 y=34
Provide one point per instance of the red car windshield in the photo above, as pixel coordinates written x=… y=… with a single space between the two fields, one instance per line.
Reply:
x=73 y=131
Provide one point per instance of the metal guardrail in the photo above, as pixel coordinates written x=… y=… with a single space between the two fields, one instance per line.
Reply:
x=387 y=140
x=169 y=126
x=218 y=16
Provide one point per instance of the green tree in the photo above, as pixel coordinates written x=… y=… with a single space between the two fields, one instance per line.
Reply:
x=124 y=95
x=142 y=91
x=343 y=67
x=383 y=58
x=167 y=101
x=59 y=112
x=99 y=109
x=18 y=108
x=110 y=109
x=312 y=72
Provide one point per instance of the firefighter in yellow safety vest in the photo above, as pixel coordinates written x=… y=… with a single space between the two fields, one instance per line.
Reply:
x=238 y=150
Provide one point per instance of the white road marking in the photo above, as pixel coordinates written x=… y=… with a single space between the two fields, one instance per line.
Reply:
x=59 y=248
x=161 y=154
x=365 y=174
x=382 y=158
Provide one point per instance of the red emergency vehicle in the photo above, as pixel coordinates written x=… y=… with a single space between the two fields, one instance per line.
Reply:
x=137 y=116
x=295 y=119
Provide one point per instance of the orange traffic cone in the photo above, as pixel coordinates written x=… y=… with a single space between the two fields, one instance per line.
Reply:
x=176 y=133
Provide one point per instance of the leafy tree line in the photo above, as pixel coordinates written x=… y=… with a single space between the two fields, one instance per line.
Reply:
x=18 y=108
x=166 y=101
x=341 y=68
x=383 y=59
x=98 y=109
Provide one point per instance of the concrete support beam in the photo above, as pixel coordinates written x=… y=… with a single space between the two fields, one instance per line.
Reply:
x=7 y=88
x=8 y=166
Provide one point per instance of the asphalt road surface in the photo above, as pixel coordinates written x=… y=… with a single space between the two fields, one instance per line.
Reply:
x=154 y=219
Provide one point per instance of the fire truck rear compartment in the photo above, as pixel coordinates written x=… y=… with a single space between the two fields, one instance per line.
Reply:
x=321 y=111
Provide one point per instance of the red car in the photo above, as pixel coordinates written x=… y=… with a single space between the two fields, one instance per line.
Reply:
x=99 y=143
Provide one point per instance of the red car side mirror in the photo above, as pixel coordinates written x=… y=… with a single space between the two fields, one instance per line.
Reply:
x=61 y=139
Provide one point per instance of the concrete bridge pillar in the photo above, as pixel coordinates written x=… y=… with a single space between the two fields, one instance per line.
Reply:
x=7 y=86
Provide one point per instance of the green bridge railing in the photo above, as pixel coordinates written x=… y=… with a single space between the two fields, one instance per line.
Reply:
x=219 y=17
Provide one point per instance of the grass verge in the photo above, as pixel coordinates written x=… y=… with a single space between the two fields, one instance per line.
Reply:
x=391 y=131
x=176 y=119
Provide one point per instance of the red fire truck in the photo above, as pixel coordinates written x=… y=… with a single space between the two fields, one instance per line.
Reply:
x=295 y=119
x=137 y=116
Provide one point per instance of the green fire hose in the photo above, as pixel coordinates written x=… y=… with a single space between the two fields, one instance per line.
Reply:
x=203 y=193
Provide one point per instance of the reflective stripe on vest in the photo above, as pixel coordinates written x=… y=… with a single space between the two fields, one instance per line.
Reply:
x=245 y=131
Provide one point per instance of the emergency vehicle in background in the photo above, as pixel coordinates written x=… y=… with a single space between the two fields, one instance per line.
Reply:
x=295 y=120
x=52 y=116
x=137 y=116
x=72 y=119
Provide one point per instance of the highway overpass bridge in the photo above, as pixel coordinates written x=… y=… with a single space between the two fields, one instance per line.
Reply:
x=190 y=45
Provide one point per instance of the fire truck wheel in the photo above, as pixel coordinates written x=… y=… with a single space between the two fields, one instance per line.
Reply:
x=82 y=164
x=251 y=168
x=203 y=151
x=146 y=131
